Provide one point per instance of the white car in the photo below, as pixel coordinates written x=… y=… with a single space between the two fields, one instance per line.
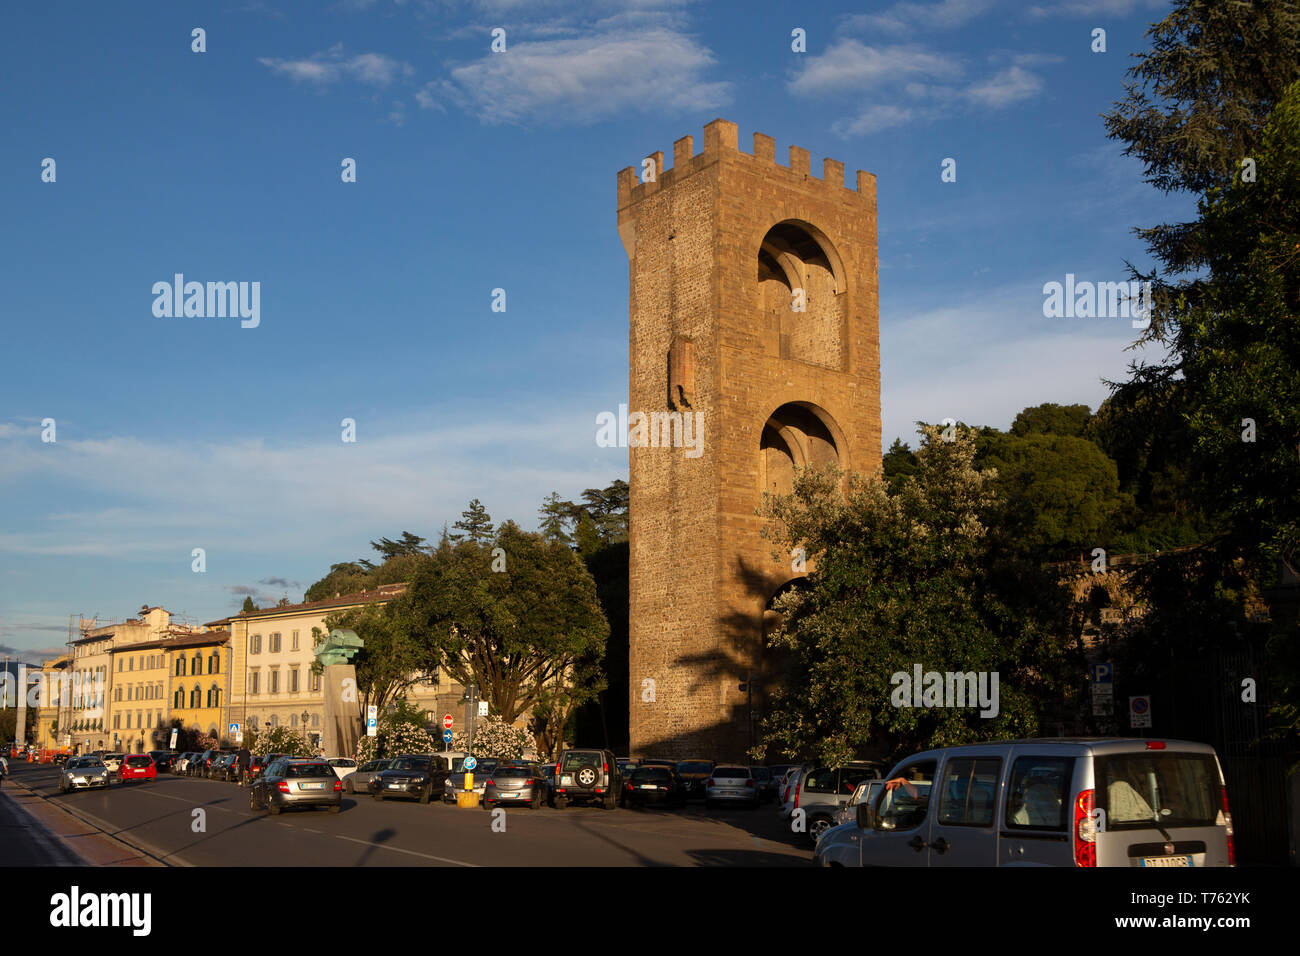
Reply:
x=343 y=766
x=113 y=761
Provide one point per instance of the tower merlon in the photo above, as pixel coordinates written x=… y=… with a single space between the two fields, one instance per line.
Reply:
x=721 y=138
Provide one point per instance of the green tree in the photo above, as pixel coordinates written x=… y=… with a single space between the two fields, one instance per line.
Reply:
x=391 y=660
x=475 y=523
x=1052 y=419
x=905 y=579
x=249 y=607
x=556 y=514
x=513 y=632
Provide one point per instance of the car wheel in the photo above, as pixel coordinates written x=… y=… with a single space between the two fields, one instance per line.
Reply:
x=536 y=802
x=335 y=808
x=272 y=808
x=586 y=776
x=817 y=826
x=610 y=801
x=379 y=795
x=347 y=785
x=424 y=795
x=561 y=803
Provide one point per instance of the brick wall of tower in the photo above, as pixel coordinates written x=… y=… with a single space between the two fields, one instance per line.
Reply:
x=700 y=574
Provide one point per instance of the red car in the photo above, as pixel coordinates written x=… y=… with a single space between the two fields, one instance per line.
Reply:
x=137 y=767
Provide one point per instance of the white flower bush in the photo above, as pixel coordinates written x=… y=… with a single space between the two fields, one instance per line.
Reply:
x=401 y=735
x=493 y=737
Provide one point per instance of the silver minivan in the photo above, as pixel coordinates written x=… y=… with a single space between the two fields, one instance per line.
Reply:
x=1047 y=802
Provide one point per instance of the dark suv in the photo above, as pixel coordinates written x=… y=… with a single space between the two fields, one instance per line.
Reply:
x=695 y=774
x=413 y=776
x=590 y=775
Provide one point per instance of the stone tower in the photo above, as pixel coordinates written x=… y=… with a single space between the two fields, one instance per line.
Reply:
x=755 y=335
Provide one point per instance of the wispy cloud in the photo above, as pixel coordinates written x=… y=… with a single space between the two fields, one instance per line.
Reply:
x=580 y=80
x=849 y=64
x=1095 y=8
x=907 y=18
x=333 y=66
x=1005 y=87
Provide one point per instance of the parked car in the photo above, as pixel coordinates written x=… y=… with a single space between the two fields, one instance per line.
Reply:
x=547 y=771
x=821 y=791
x=515 y=782
x=359 y=780
x=731 y=784
x=626 y=765
x=225 y=767
x=182 y=763
x=137 y=767
x=163 y=759
x=695 y=773
x=765 y=783
x=590 y=775
x=290 y=784
x=199 y=765
x=455 y=781
x=411 y=776
x=654 y=786
x=113 y=761
x=783 y=786
x=1162 y=803
x=82 y=773
x=343 y=766
x=255 y=767
x=866 y=792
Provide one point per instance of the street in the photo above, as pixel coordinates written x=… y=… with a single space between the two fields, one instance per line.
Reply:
x=160 y=818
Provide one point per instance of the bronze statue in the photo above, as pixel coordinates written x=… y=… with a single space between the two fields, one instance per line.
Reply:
x=339 y=648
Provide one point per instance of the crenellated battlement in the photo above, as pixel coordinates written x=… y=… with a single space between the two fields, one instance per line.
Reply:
x=721 y=142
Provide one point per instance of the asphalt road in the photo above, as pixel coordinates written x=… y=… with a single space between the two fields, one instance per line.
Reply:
x=194 y=822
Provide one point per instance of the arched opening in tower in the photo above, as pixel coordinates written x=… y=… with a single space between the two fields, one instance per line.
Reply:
x=801 y=295
x=797 y=435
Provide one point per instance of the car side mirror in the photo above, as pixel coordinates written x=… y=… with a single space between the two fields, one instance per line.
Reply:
x=866 y=817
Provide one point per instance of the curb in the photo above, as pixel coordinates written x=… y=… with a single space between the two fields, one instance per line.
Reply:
x=95 y=846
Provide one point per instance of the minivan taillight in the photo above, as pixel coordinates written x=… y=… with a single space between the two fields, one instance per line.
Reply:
x=1227 y=823
x=1085 y=831
x=797 y=788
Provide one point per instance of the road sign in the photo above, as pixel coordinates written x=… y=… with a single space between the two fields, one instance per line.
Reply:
x=1139 y=711
x=1103 y=673
x=234 y=730
x=482 y=708
x=446 y=736
x=447 y=721
x=372 y=721
x=175 y=732
x=470 y=763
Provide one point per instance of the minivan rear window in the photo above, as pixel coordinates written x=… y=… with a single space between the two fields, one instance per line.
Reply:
x=1038 y=793
x=1171 y=789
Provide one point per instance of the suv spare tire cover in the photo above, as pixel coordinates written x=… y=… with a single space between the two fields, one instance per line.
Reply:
x=587 y=775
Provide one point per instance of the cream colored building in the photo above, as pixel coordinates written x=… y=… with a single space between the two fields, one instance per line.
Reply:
x=271 y=679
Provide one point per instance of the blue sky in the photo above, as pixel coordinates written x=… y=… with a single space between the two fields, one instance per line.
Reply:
x=475 y=171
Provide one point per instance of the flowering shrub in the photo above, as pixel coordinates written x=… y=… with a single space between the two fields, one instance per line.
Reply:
x=279 y=740
x=403 y=734
x=493 y=737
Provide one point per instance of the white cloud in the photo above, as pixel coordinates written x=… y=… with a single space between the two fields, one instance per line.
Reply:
x=1004 y=88
x=580 y=80
x=1096 y=8
x=332 y=66
x=911 y=17
x=872 y=120
x=851 y=65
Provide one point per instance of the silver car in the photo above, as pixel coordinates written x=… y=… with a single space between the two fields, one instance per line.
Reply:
x=288 y=784
x=731 y=785
x=83 y=773
x=1058 y=801
x=866 y=793
x=360 y=778
x=514 y=782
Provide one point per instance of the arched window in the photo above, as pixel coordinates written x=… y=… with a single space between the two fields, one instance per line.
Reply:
x=315 y=720
x=178 y=699
x=195 y=696
x=252 y=722
x=180 y=665
x=214 y=696
x=214 y=663
x=293 y=721
x=275 y=720
x=196 y=665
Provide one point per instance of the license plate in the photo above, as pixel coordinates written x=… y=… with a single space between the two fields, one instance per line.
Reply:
x=649 y=786
x=394 y=786
x=566 y=781
x=1166 y=861
x=313 y=786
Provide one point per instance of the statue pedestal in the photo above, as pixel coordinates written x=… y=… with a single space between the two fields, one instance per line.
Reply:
x=342 y=728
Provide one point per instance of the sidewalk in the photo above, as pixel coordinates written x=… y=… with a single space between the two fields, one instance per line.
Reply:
x=45 y=834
